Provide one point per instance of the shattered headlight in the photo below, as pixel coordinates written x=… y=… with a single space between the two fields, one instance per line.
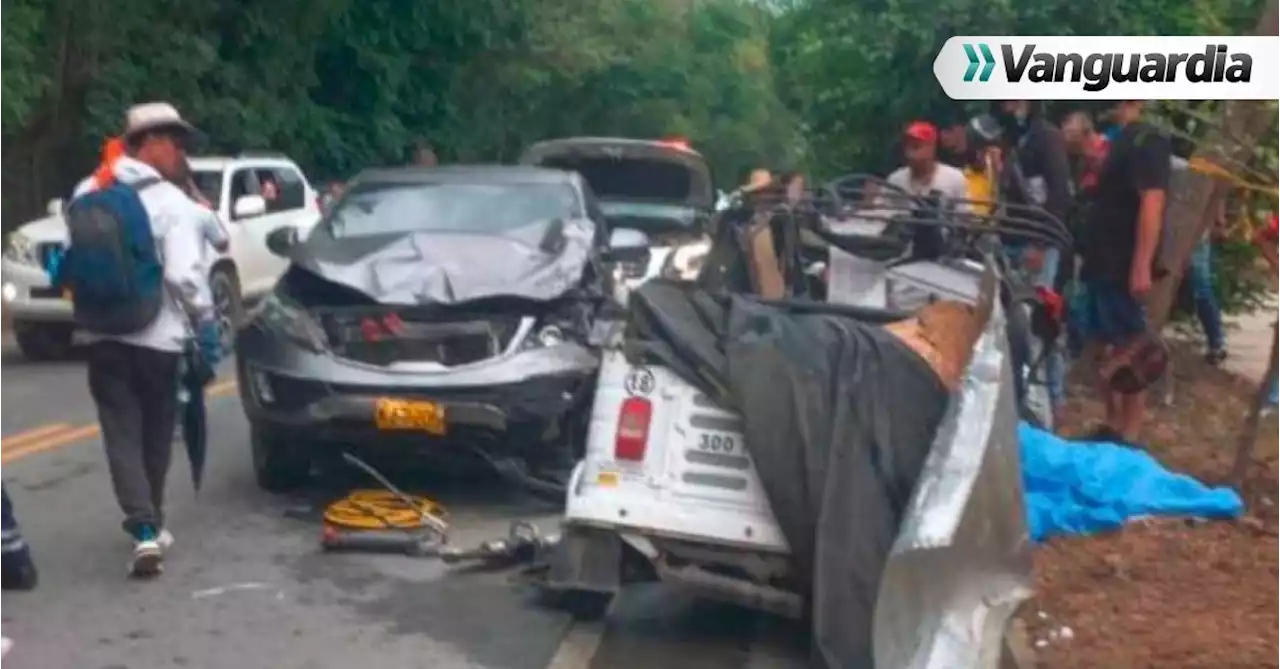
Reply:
x=18 y=248
x=544 y=336
x=290 y=321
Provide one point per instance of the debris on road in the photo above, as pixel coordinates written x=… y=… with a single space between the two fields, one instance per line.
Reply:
x=524 y=543
x=384 y=521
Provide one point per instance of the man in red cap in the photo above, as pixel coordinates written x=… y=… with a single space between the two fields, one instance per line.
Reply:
x=922 y=173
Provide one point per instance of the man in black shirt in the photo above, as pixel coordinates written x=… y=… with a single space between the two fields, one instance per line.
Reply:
x=1119 y=247
x=953 y=140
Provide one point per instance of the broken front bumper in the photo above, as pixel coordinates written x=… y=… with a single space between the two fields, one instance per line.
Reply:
x=522 y=396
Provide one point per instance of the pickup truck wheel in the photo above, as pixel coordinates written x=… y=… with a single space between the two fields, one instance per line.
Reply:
x=279 y=465
x=44 y=341
x=227 y=301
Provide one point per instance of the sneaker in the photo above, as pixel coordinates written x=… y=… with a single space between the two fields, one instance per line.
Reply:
x=1215 y=356
x=19 y=571
x=5 y=645
x=164 y=540
x=148 y=556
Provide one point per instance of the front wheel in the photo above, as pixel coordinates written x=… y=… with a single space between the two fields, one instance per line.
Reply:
x=224 y=286
x=279 y=464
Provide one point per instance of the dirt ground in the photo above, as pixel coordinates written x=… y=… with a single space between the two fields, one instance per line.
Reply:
x=1169 y=593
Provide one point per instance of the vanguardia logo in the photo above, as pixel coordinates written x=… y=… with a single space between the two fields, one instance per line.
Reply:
x=1092 y=67
x=988 y=62
x=1098 y=70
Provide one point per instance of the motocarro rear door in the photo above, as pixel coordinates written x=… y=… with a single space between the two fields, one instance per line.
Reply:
x=706 y=455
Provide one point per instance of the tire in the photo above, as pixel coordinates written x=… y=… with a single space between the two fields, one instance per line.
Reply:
x=44 y=341
x=583 y=605
x=279 y=465
x=224 y=285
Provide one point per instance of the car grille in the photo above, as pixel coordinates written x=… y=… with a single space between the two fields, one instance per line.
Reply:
x=387 y=337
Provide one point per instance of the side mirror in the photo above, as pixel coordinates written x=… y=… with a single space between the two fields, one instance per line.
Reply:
x=248 y=206
x=54 y=207
x=282 y=240
x=627 y=245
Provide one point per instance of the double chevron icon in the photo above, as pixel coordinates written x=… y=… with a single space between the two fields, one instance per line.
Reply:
x=987 y=61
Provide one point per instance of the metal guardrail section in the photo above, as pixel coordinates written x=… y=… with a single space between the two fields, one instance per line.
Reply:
x=962 y=561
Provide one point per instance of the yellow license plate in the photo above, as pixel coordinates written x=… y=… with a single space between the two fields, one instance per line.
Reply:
x=422 y=416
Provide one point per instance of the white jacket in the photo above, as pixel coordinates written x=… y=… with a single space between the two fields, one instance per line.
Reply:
x=178 y=224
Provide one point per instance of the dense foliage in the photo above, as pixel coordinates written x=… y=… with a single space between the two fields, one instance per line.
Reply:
x=856 y=71
x=343 y=84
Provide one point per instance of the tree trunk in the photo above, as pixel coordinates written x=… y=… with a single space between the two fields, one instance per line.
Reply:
x=1228 y=143
x=1249 y=435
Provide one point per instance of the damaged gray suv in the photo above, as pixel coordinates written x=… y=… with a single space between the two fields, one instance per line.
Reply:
x=438 y=312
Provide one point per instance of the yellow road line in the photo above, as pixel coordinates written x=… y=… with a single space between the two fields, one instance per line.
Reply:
x=28 y=436
x=50 y=437
x=56 y=441
x=220 y=388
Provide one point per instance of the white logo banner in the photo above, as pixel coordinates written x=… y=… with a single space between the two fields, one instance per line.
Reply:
x=1109 y=68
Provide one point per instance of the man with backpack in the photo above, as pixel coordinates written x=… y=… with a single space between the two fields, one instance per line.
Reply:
x=139 y=288
x=1119 y=246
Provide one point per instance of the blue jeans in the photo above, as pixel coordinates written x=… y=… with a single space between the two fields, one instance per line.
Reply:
x=1201 y=277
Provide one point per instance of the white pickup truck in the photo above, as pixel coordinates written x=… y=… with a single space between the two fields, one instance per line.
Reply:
x=253 y=195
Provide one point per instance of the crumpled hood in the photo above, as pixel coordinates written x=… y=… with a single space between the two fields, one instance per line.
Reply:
x=429 y=267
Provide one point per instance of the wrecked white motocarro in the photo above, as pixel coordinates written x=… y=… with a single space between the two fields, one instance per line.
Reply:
x=854 y=466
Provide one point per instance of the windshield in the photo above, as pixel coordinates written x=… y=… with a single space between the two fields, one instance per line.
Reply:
x=649 y=217
x=210 y=184
x=630 y=179
x=377 y=209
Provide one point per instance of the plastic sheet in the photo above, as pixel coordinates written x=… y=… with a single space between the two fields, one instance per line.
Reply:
x=1090 y=487
x=900 y=501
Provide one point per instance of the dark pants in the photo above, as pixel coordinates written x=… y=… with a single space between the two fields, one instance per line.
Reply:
x=135 y=389
x=19 y=571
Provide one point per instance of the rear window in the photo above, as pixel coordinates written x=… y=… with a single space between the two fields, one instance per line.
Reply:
x=631 y=179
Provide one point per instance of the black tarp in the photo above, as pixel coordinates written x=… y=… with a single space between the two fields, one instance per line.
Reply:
x=839 y=417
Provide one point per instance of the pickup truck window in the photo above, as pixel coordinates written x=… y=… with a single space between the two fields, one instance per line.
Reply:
x=283 y=188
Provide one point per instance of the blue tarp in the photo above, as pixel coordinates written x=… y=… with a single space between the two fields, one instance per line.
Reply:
x=1076 y=487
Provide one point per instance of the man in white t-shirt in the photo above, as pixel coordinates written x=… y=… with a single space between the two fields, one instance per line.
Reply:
x=922 y=173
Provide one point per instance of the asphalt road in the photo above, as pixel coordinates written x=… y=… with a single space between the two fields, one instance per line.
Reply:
x=247 y=587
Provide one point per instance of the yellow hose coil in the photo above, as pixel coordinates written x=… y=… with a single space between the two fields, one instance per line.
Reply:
x=381 y=510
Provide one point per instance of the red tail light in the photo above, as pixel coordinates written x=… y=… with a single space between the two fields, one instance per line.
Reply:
x=370 y=330
x=394 y=324
x=633 y=429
